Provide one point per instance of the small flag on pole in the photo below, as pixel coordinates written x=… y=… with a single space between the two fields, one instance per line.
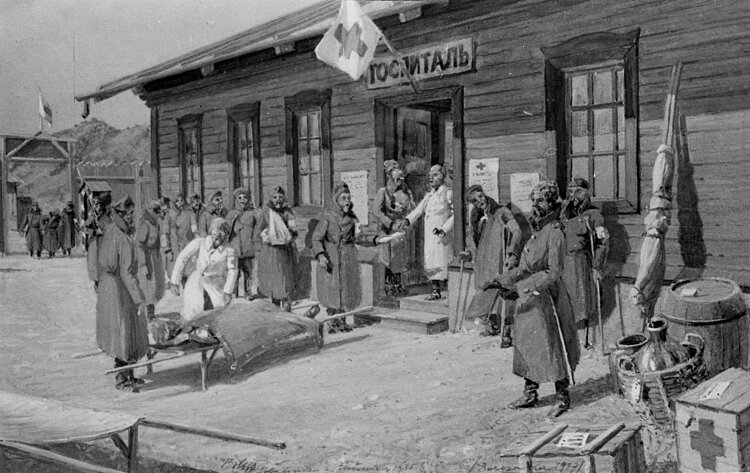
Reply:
x=350 y=42
x=45 y=111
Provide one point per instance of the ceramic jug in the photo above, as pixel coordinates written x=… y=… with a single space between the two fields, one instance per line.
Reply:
x=661 y=351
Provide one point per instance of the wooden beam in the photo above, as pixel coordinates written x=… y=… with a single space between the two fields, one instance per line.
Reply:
x=24 y=159
x=60 y=148
x=18 y=148
x=41 y=454
x=133 y=442
x=120 y=443
x=3 y=200
x=212 y=433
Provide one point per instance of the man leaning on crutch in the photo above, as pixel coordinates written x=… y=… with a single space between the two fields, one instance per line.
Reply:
x=494 y=242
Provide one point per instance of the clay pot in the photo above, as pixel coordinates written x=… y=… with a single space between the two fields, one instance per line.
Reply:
x=660 y=351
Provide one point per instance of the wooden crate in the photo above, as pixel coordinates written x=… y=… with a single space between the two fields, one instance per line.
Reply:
x=714 y=434
x=609 y=449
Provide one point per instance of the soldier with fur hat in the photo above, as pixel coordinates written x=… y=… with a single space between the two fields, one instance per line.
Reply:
x=338 y=284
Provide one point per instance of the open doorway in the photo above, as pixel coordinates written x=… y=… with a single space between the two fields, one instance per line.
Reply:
x=419 y=131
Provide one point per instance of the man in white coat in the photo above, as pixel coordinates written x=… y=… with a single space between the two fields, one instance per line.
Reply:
x=211 y=285
x=437 y=208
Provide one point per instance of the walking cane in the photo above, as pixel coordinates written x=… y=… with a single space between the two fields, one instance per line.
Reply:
x=459 y=321
x=568 y=368
x=503 y=302
x=598 y=287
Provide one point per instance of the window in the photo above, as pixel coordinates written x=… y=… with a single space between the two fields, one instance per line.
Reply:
x=308 y=148
x=244 y=148
x=592 y=106
x=191 y=161
x=595 y=108
x=308 y=158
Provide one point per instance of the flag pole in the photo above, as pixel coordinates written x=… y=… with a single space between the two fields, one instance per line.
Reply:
x=397 y=55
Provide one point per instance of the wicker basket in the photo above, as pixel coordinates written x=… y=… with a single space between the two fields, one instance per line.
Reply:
x=651 y=393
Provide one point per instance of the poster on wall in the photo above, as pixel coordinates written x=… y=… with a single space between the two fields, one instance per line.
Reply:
x=484 y=172
x=521 y=184
x=357 y=181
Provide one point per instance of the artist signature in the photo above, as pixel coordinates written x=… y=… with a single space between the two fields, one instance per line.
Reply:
x=244 y=465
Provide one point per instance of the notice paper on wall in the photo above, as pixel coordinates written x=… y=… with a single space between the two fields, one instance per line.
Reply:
x=484 y=173
x=357 y=182
x=521 y=184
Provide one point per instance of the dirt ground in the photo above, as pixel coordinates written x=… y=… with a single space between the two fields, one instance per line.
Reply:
x=370 y=400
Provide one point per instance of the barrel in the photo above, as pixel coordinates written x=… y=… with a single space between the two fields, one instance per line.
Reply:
x=715 y=309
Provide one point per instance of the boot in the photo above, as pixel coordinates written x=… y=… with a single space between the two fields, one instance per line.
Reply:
x=507 y=340
x=399 y=288
x=135 y=381
x=150 y=312
x=530 y=397
x=389 y=288
x=286 y=305
x=562 y=399
x=491 y=328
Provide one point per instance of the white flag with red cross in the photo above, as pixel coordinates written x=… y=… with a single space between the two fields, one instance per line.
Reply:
x=350 y=42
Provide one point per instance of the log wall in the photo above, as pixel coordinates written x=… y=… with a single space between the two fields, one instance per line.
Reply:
x=504 y=106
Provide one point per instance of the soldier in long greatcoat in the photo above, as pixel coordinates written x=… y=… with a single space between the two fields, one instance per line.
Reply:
x=544 y=323
x=50 y=224
x=242 y=227
x=275 y=234
x=121 y=330
x=32 y=229
x=338 y=284
x=437 y=209
x=583 y=225
x=494 y=243
x=389 y=207
x=150 y=266
x=180 y=233
x=66 y=231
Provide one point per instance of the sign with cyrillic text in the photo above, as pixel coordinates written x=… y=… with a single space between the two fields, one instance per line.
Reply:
x=453 y=57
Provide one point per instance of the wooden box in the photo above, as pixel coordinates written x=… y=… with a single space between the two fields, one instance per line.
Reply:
x=714 y=434
x=608 y=449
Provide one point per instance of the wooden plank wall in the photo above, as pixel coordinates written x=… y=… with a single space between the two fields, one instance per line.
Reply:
x=504 y=109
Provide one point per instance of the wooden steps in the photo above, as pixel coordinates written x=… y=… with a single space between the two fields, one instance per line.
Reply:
x=418 y=303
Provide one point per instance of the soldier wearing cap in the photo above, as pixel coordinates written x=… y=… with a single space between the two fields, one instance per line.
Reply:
x=583 y=224
x=215 y=209
x=338 y=285
x=32 y=229
x=242 y=222
x=494 y=242
x=197 y=214
x=277 y=259
x=112 y=263
x=544 y=324
x=150 y=266
x=66 y=232
x=389 y=207
x=180 y=232
x=437 y=209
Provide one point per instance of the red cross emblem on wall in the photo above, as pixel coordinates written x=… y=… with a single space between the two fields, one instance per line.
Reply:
x=350 y=40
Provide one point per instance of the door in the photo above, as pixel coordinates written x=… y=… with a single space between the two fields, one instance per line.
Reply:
x=22 y=205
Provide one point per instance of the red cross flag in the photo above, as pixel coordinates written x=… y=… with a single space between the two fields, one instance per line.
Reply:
x=350 y=42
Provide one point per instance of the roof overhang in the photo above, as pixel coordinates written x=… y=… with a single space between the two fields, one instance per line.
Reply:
x=279 y=34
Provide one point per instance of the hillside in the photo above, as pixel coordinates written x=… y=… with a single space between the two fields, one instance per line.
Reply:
x=97 y=142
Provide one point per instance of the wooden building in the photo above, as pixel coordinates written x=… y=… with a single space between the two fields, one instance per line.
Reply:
x=551 y=87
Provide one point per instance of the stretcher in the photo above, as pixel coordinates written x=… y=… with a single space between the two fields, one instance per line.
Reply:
x=31 y=425
x=247 y=332
x=161 y=354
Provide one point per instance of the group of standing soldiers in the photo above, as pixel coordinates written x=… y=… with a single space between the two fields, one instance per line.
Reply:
x=53 y=232
x=550 y=277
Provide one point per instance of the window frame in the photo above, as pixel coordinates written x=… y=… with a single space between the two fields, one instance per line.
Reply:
x=295 y=105
x=184 y=124
x=245 y=113
x=589 y=52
